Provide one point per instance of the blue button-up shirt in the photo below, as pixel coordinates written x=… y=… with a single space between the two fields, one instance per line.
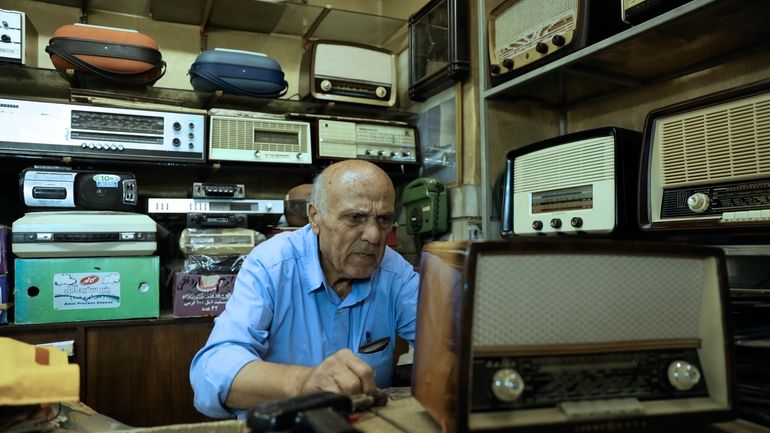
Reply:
x=282 y=310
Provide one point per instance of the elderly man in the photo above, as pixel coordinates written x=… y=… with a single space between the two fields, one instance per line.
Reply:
x=314 y=309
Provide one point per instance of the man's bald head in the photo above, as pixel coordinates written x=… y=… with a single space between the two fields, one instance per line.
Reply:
x=342 y=177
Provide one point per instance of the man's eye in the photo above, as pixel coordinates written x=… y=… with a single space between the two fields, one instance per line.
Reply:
x=355 y=218
x=385 y=220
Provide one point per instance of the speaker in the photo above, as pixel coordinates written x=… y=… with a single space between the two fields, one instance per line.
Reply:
x=563 y=335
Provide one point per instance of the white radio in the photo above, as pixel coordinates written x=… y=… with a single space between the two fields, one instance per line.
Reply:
x=258 y=137
x=363 y=139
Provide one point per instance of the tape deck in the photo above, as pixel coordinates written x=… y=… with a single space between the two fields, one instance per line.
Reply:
x=61 y=187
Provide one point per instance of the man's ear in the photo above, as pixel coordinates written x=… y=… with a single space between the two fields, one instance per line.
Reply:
x=313 y=216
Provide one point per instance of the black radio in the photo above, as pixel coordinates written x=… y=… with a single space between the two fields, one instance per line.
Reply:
x=60 y=187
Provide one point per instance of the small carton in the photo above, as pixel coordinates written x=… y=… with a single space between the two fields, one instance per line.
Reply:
x=201 y=295
x=4 y=302
x=89 y=288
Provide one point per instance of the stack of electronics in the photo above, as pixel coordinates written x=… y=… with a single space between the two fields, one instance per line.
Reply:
x=214 y=243
x=83 y=254
x=750 y=299
x=697 y=177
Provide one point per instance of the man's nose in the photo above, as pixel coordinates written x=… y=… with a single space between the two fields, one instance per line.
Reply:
x=371 y=232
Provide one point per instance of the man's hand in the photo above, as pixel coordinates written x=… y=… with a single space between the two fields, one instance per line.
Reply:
x=343 y=373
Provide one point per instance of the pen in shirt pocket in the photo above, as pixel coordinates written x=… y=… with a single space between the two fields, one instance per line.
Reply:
x=373 y=346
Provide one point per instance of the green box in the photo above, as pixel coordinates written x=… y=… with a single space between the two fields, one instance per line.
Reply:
x=89 y=288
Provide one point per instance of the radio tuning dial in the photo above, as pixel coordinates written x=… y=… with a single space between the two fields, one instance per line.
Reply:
x=556 y=223
x=326 y=85
x=507 y=385
x=537 y=225
x=682 y=375
x=698 y=202
x=381 y=92
x=508 y=63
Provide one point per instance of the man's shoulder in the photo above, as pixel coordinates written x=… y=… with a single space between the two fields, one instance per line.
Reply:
x=288 y=245
x=393 y=262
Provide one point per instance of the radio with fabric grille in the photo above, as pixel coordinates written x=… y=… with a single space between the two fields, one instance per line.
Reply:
x=371 y=139
x=89 y=131
x=257 y=137
x=583 y=182
x=348 y=72
x=706 y=165
x=527 y=33
x=548 y=334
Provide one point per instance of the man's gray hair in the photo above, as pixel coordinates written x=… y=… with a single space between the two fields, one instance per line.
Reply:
x=318 y=194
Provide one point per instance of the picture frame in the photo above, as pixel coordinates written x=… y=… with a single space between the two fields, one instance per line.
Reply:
x=438 y=47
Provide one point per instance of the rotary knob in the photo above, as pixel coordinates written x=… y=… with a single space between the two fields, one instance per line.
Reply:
x=555 y=223
x=682 y=375
x=381 y=92
x=508 y=63
x=507 y=385
x=326 y=85
x=537 y=225
x=576 y=222
x=698 y=202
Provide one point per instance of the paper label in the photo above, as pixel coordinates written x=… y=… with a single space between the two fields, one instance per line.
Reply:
x=86 y=290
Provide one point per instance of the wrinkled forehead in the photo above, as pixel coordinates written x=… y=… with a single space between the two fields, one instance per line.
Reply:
x=352 y=191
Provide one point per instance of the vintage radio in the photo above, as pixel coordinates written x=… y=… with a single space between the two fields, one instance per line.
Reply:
x=223 y=241
x=79 y=130
x=348 y=72
x=83 y=234
x=527 y=33
x=228 y=220
x=62 y=187
x=385 y=141
x=705 y=165
x=257 y=137
x=636 y=11
x=584 y=182
x=218 y=190
x=543 y=335
x=18 y=38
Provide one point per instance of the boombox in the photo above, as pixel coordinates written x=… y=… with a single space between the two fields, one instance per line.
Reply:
x=18 y=38
x=64 y=188
x=544 y=335
x=257 y=137
x=527 y=33
x=584 y=182
x=706 y=166
x=636 y=11
x=348 y=72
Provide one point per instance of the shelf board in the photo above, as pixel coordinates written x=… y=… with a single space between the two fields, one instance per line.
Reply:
x=693 y=37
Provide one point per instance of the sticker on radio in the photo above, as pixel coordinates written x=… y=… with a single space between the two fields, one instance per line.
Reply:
x=106 y=180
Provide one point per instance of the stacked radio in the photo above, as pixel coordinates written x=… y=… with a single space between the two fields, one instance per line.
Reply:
x=82 y=254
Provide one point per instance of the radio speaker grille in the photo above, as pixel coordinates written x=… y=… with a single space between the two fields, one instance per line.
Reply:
x=544 y=299
x=237 y=134
x=569 y=164
x=719 y=143
x=523 y=17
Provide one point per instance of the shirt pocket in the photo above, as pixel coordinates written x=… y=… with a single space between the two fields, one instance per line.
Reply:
x=382 y=363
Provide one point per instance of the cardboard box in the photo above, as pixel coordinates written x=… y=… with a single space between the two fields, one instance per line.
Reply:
x=201 y=295
x=4 y=304
x=88 y=288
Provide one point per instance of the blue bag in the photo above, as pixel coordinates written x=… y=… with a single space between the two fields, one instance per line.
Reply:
x=239 y=73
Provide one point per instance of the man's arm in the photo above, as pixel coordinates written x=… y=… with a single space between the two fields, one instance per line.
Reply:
x=260 y=381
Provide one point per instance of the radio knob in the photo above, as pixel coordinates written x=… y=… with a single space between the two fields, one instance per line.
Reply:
x=558 y=40
x=507 y=385
x=494 y=69
x=5 y=24
x=381 y=92
x=191 y=135
x=326 y=85
x=576 y=222
x=176 y=142
x=380 y=153
x=508 y=63
x=537 y=225
x=191 y=145
x=393 y=154
x=256 y=154
x=5 y=38
x=556 y=223
x=191 y=125
x=682 y=375
x=299 y=155
x=177 y=126
x=406 y=153
x=368 y=151
x=541 y=47
x=698 y=202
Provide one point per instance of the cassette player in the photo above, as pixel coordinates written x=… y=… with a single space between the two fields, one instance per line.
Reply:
x=60 y=187
x=83 y=234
